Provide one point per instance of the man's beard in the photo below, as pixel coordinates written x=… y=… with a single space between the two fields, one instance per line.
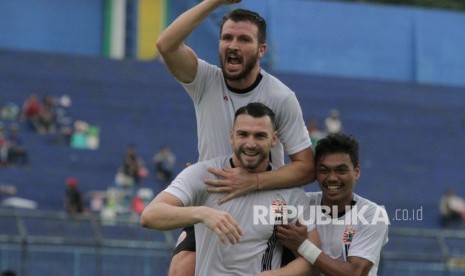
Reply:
x=247 y=165
x=247 y=69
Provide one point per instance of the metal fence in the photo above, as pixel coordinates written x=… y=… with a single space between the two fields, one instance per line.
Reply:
x=54 y=243
x=424 y=252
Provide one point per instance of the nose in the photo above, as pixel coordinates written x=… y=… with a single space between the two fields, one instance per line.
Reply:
x=232 y=49
x=250 y=142
x=233 y=45
x=332 y=176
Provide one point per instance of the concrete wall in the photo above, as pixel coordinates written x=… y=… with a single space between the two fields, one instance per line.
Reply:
x=351 y=39
x=71 y=26
x=314 y=37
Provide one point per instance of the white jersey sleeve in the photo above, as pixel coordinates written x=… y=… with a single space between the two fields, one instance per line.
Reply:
x=187 y=187
x=291 y=126
x=372 y=235
x=206 y=75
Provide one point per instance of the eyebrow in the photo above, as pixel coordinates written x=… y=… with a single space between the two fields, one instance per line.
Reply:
x=337 y=166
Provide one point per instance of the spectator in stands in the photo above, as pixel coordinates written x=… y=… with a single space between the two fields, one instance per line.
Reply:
x=9 y=111
x=30 y=111
x=314 y=131
x=452 y=208
x=3 y=147
x=164 y=162
x=6 y=189
x=74 y=201
x=137 y=205
x=17 y=152
x=46 y=122
x=333 y=122
x=133 y=166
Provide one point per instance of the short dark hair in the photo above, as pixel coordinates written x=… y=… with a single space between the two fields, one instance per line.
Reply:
x=8 y=273
x=256 y=110
x=238 y=15
x=338 y=143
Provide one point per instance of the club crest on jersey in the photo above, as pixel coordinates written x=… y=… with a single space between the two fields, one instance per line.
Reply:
x=348 y=235
x=181 y=237
x=279 y=210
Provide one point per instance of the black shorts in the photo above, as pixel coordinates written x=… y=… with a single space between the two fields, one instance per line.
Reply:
x=186 y=241
x=287 y=257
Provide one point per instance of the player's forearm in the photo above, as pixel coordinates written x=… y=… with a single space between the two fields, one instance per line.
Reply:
x=299 y=171
x=291 y=175
x=173 y=36
x=162 y=216
x=332 y=267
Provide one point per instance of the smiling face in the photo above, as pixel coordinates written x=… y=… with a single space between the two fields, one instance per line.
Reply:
x=240 y=53
x=252 y=139
x=336 y=176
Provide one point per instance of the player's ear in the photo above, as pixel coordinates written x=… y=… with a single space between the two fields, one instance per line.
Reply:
x=357 y=172
x=275 y=138
x=262 y=50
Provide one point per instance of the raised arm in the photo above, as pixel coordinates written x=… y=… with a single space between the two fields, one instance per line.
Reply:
x=180 y=59
x=166 y=212
x=237 y=181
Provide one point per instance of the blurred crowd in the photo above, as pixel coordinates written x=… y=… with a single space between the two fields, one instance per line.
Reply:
x=50 y=117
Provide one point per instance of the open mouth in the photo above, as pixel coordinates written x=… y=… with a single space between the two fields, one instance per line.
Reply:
x=250 y=153
x=333 y=187
x=233 y=59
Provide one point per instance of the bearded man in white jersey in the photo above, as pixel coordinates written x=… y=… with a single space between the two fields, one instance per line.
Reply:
x=234 y=238
x=218 y=92
x=352 y=229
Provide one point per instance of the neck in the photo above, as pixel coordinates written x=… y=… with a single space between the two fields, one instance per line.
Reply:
x=246 y=82
x=263 y=167
x=341 y=205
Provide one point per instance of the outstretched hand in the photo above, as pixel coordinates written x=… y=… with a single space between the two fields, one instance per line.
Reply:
x=223 y=225
x=234 y=181
x=292 y=236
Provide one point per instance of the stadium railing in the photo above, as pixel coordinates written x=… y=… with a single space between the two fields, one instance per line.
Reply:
x=47 y=243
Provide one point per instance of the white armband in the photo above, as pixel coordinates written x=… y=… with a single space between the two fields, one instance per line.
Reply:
x=309 y=251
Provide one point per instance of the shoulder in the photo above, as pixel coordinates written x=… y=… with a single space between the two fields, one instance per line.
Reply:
x=373 y=213
x=361 y=201
x=314 y=197
x=279 y=96
x=217 y=162
x=277 y=83
x=277 y=89
x=205 y=67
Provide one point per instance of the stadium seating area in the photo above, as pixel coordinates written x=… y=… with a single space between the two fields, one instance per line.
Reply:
x=411 y=135
x=123 y=99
